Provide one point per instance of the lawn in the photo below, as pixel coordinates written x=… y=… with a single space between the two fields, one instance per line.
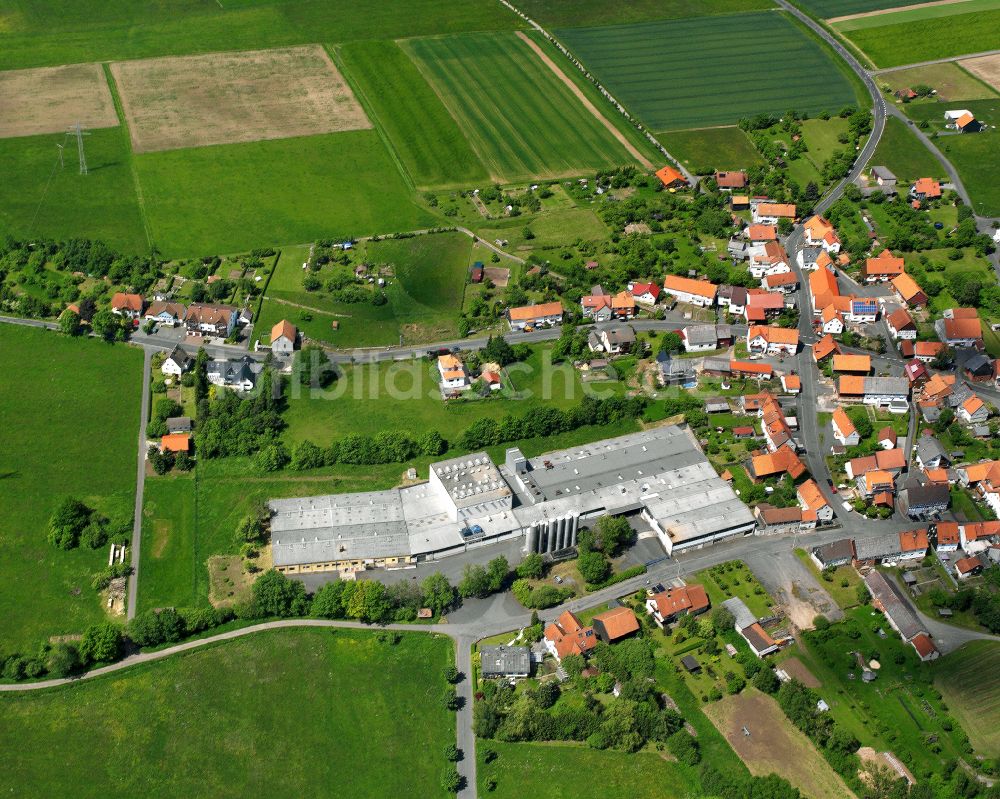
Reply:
x=704 y=151
x=520 y=118
x=923 y=34
x=846 y=596
x=281 y=708
x=948 y=79
x=735 y=579
x=974 y=157
x=563 y=13
x=904 y=154
x=705 y=71
x=973 y=701
x=38 y=198
x=70 y=410
x=775 y=745
x=547 y=770
x=426 y=138
x=102 y=30
x=424 y=296
x=234 y=197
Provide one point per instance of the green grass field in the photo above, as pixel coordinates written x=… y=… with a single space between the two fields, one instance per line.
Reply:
x=36 y=34
x=975 y=702
x=948 y=79
x=319 y=713
x=234 y=197
x=704 y=151
x=524 y=123
x=429 y=144
x=39 y=198
x=424 y=296
x=975 y=158
x=70 y=411
x=564 y=13
x=904 y=154
x=547 y=770
x=825 y=9
x=711 y=70
x=923 y=34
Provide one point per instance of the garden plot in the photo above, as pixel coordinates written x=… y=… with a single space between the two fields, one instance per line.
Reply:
x=50 y=100
x=225 y=98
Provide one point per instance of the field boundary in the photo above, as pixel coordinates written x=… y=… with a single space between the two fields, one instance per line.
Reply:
x=123 y=124
x=631 y=148
x=883 y=11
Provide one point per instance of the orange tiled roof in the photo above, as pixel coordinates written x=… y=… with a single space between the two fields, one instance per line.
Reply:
x=906 y=286
x=668 y=175
x=852 y=363
x=776 y=209
x=843 y=423
x=762 y=233
x=928 y=187
x=851 y=385
x=810 y=494
x=283 y=328
x=773 y=335
x=884 y=264
x=700 y=288
x=824 y=347
x=542 y=310
x=619 y=622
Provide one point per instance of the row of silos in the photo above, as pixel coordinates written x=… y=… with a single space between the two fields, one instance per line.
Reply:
x=551 y=535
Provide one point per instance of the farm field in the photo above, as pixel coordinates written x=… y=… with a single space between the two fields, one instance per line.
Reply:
x=37 y=197
x=949 y=79
x=594 y=12
x=79 y=441
x=304 y=730
x=544 y=770
x=986 y=68
x=519 y=117
x=274 y=192
x=50 y=100
x=975 y=158
x=96 y=30
x=426 y=138
x=774 y=744
x=424 y=296
x=711 y=70
x=978 y=711
x=924 y=34
x=703 y=151
x=225 y=98
x=987 y=111
x=827 y=9
x=904 y=154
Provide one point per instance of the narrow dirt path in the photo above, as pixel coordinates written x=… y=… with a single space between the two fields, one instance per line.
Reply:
x=568 y=82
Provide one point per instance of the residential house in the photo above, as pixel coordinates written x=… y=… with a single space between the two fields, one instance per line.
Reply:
x=176 y=363
x=504 y=662
x=597 y=307
x=843 y=429
x=623 y=305
x=968 y=567
x=852 y=364
x=239 y=374
x=930 y=454
x=759 y=640
x=824 y=348
x=776 y=464
x=760 y=371
x=883 y=179
x=674 y=603
x=676 y=371
x=176 y=442
x=834 y=554
x=693 y=292
x=979 y=368
x=973 y=411
x=128 y=305
x=212 y=320
x=568 y=636
x=820 y=233
x=887 y=438
x=791 y=384
x=768 y=213
x=453 y=376
x=823 y=287
x=781 y=521
x=700 y=338
x=769 y=258
x=545 y=314
x=763 y=306
x=785 y=282
x=891 y=391
x=979 y=536
x=733 y=299
x=875 y=482
x=812 y=501
x=928 y=351
x=616 y=339
x=166 y=313
x=899 y=613
x=916 y=372
x=727 y=181
x=884 y=267
x=645 y=293
x=671 y=178
x=759 y=235
x=616 y=624
x=875 y=550
x=909 y=291
x=772 y=340
x=924 y=647
x=922 y=500
x=283 y=337
x=808 y=258
x=739 y=202
x=862 y=310
x=961 y=328
x=901 y=325
x=179 y=424
x=925 y=189
x=891 y=461
x=948 y=536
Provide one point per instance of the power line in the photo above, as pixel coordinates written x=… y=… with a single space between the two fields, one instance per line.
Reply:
x=77 y=130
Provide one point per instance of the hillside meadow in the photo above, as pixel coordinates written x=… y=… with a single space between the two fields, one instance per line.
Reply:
x=70 y=411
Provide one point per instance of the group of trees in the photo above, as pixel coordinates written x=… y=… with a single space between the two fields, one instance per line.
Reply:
x=100 y=643
x=610 y=536
x=482 y=581
x=231 y=424
x=387 y=446
x=73 y=523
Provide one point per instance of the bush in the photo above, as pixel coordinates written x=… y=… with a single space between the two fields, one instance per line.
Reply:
x=684 y=748
x=625 y=574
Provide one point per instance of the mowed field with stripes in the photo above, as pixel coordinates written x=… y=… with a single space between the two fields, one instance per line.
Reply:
x=706 y=71
x=521 y=119
x=973 y=700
